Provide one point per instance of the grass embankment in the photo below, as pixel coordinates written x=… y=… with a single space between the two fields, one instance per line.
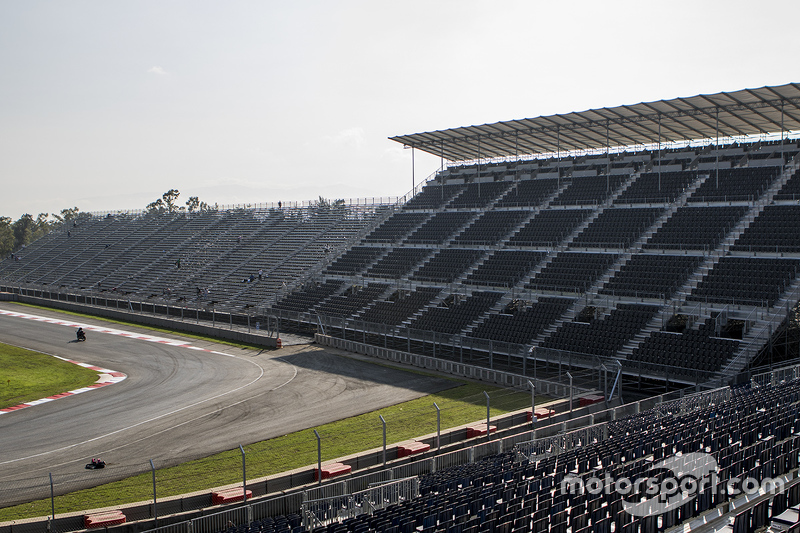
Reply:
x=26 y=376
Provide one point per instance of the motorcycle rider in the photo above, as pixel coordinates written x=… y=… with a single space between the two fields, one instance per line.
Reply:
x=81 y=334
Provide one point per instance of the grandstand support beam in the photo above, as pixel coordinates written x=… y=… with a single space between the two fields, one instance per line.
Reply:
x=659 y=152
x=558 y=153
x=605 y=382
x=533 y=409
x=608 y=161
x=716 y=148
x=413 y=176
x=570 y=394
x=479 y=156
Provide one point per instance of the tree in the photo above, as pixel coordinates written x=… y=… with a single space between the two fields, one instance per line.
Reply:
x=6 y=237
x=170 y=197
x=27 y=229
x=323 y=203
x=155 y=207
x=67 y=215
x=194 y=204
x=166 y=203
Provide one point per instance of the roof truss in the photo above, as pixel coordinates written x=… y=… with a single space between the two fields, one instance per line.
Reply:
x=745 y=112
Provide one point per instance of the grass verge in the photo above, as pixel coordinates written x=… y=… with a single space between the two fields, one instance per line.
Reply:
x=26 y=375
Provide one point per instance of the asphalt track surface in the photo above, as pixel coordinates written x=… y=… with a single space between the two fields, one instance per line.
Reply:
x=178 y=403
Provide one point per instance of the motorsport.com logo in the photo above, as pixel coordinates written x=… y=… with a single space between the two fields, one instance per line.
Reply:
x=669 y=484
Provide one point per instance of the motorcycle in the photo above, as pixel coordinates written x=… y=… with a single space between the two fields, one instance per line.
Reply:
x=81 y=335
x=95 y=464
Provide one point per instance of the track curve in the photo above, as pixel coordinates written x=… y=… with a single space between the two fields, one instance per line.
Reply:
x=182 y=400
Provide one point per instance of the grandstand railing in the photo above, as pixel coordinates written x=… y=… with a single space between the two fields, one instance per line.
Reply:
x=776 y=376
x=266 y=206
x=321 y=512
x=537 y=449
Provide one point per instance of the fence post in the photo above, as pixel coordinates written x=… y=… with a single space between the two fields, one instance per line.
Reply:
x=438 y=427
x=52 y=499
x=155 y=509
x=319 y=458
x=384 y=439
x=488 y=432
x=244 y=476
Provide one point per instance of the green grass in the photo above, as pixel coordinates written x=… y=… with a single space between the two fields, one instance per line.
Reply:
x=459 y=405
x=26 y=375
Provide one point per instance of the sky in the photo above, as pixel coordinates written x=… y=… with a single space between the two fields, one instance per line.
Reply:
x=105 y=105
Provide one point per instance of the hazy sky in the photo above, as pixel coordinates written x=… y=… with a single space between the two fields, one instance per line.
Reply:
x=105 y=105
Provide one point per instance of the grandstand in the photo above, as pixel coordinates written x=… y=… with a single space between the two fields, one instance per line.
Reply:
x=513 y=485
x=580 y=239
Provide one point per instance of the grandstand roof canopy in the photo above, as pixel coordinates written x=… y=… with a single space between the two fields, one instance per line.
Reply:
x=706 y=116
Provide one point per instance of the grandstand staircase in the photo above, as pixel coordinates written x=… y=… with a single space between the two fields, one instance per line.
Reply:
x=579 y=303
x=594 y=292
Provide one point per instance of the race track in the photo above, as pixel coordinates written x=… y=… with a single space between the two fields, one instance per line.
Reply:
x=178 y=402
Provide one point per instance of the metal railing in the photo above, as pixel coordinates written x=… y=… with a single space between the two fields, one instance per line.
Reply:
x=323 y=511
x=538 y=449
x=776 y=376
